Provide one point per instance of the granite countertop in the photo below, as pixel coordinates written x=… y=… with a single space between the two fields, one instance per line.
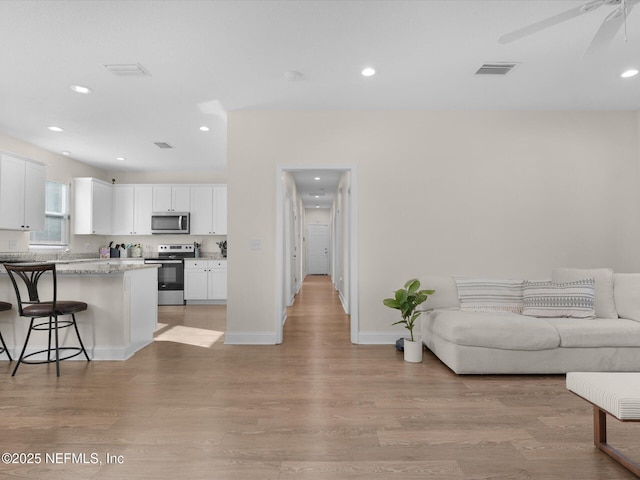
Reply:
x=90 y=266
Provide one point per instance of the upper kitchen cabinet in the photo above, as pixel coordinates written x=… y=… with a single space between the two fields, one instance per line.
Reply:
x=132 y=208
x=22 y=194
x=209 y=210
x=171 y=198
x=92 y=206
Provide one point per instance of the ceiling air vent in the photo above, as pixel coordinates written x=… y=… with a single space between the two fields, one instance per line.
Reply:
x=496 y=68
x=126 y=69
x=162 y=145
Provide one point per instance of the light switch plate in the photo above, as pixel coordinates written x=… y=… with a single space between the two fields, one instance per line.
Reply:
x=256 y=245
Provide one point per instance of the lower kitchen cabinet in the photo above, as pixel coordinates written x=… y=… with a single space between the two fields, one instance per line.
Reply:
x=205 y=279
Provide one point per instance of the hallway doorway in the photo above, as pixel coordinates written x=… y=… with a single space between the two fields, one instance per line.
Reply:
x=342 y=254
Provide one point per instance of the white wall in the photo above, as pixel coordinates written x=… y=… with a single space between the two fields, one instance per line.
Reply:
x=492 y=193
x=320 y=216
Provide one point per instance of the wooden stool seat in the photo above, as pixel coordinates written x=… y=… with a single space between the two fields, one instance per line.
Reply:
x=4 y=306
x=613 y=393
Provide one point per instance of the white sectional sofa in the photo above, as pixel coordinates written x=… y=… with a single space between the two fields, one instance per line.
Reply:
x=486 y=334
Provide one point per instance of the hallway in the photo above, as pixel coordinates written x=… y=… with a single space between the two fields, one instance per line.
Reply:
x=317 y=317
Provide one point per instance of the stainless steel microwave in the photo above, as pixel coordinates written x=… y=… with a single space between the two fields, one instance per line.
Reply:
x=170 y=222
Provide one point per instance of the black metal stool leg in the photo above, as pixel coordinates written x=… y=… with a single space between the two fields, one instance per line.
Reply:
x=57 y=348
x=4 y=348
x=26 y=341
x=49 y=344
x=75 y=325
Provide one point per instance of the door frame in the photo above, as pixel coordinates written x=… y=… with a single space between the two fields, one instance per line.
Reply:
x=281 y=312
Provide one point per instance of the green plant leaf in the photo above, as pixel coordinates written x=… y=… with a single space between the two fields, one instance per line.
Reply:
x=391 y=303
x=401 y=296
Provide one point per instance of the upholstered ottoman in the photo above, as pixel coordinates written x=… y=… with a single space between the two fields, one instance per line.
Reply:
x=617 y=394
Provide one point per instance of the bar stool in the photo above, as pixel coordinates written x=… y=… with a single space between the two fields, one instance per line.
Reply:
x=4 y=306
x=51 y=309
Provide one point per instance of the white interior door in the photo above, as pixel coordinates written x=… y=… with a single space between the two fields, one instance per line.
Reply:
x=318 y=242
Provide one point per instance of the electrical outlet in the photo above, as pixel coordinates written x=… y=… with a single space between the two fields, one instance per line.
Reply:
x=13 y=244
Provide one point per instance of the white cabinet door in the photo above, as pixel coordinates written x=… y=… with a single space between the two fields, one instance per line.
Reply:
x=181 y=198
x=101 y=208
x=91 y=207
x=195 y=280
x=217 y=280
x=201 y=210
x=143 y=209
x=35 y=182
x=220 y=210
x=11 y=193
x=168 y=198
x=209 y=210
x=22 y=194
x=162 y=198
x=123 y=210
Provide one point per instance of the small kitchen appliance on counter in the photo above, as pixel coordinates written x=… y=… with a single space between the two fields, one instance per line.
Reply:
x=171 y=257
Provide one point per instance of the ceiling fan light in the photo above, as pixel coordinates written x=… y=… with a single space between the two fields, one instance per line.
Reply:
x=632 y=72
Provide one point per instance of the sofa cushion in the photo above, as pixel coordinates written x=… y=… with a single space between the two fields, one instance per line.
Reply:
x=612 y=332
x=490 y=294
x=503 y=330
x=604 y=304
x=626 y=293
x=547 y=299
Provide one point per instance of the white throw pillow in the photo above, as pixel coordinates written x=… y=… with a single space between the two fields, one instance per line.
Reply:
x=605 y=305
x=490 y=295
x=555 y=300
x=626 y=292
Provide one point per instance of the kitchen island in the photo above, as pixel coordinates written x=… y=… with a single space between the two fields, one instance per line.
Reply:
x=120 y=320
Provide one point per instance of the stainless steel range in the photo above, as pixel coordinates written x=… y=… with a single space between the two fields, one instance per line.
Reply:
x=171 y=257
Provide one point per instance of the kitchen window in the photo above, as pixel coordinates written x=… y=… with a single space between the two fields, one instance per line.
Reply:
x=56 y=223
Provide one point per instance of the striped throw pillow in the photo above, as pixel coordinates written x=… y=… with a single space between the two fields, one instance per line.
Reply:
x=489 y=295
x=548 y=299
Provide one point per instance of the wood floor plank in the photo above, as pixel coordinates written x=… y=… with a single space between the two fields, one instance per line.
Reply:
x=315 y=407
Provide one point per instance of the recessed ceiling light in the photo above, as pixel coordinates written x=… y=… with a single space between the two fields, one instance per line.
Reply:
x=317 y=178
x=53 y=128
x=368 y=72
x=204 y=128
x=632 y=72
x=317 y=196
x=122 y=159
x=66 y=154
x=317 y=206
x=81 y=89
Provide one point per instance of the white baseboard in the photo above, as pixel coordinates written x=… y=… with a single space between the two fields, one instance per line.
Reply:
x=379 y=338
x=250 y=338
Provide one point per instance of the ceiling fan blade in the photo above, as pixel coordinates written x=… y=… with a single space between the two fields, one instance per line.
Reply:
x=551 y=21
x=607 y=31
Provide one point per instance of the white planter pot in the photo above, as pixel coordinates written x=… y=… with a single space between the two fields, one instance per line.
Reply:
x=413 y=350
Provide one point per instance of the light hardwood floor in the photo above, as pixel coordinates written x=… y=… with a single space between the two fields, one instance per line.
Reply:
x=315 y=407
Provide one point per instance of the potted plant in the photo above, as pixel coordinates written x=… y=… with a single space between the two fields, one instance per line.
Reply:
x=407 y=300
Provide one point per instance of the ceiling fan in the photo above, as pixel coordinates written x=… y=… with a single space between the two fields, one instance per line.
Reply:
x=603 y=37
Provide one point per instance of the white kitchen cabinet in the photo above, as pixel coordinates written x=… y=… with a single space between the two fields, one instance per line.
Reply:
x=123 y=210
x=132 y=207
x=92 y=206
x=22 y=194
x=171 y=198
x=143 y=209
x=205 y=279
x=209 y=210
